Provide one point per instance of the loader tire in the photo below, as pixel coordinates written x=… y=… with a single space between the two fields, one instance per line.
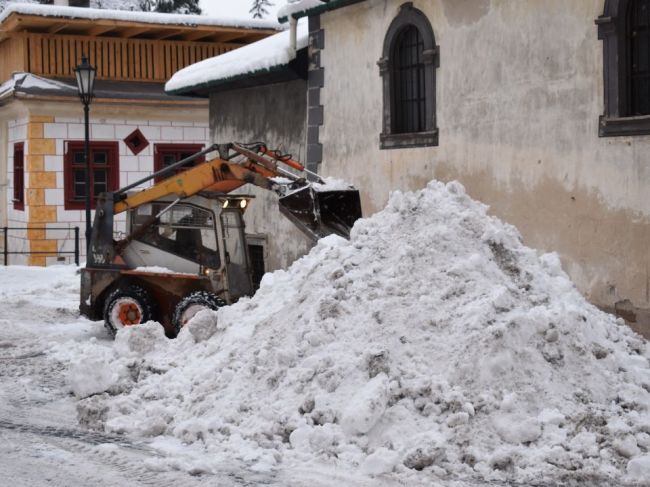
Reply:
x=192 y=304
x=127 y=306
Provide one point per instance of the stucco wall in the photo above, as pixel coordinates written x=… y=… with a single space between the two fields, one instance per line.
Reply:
x=274 y=114
x=519 y=92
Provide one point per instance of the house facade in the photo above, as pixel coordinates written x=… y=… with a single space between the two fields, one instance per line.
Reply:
x=541 y=109
x=135 y=127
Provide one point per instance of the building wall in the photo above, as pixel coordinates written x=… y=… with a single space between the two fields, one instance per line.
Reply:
x=45 y=136
x=16 y=132
x=519 y=93
x=274 y=114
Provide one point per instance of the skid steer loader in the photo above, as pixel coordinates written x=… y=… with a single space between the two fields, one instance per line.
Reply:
x=185 y=246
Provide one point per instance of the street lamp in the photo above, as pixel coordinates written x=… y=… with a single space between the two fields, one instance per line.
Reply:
x=85 y=74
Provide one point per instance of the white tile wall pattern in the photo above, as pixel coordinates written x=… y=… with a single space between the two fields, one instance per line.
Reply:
x=100 y=131
x=55 y=130
x=76 y=131
x=53 y=163
x=132 y=167
x=194 y=133
x=172 y=133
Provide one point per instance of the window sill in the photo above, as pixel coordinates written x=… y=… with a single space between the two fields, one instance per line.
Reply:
x=403 y=141
x=613 y=127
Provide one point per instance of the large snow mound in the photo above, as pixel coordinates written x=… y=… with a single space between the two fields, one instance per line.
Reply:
x=432 y=345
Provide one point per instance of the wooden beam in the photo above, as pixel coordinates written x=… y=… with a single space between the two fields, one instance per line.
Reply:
x=166 y=34
x=99 y=30
x=227 y=37
x=57 y=28
x=133 y=31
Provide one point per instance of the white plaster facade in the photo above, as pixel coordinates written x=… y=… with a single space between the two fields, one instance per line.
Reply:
x=519 y=94
x=157 y=125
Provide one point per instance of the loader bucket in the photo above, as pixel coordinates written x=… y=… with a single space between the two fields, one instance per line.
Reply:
x=321 y=213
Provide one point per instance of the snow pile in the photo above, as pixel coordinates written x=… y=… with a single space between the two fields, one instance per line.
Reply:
x=266 y=55
x=433 y=345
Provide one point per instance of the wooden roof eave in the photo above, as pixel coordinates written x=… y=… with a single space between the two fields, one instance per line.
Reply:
x=116 y=28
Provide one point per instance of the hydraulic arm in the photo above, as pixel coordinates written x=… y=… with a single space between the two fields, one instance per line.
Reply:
x=314 y=209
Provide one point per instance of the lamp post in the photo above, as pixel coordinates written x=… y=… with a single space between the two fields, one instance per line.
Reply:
x=85 y=74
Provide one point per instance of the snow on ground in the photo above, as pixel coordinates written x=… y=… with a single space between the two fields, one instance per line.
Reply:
x=433 y=348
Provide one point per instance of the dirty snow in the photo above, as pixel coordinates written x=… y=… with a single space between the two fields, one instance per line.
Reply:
x=432 y=346
x=332 y=184
x=265 y=55
x=154 y=269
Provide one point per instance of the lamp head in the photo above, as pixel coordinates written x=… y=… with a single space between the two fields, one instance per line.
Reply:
x=85 y=74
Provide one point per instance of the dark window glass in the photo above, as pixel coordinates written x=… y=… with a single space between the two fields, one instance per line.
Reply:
x=184 y=230
x=19 y=176
x=256 y=253
x=103 y=172
x=167 y=154
x=409 y=100
x=100 y=157
x=639 y=56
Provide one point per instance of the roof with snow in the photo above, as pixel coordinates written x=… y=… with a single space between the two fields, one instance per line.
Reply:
x=265 y=61
x=131 y=16
x=89 y=21
x=27 y=85
x=306 y=8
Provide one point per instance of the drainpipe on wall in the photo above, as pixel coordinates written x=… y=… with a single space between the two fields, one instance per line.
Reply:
x=293 y=34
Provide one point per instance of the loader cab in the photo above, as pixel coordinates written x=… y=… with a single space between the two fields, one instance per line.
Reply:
x=203 y=235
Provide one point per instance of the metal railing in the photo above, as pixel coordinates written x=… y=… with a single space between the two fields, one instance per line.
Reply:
x=6 y=251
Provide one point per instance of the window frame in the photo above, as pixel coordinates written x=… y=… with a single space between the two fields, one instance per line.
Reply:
x=19 y=177
x=112 y=171
x=613 y=31
x=389 y=138
x=160 y=149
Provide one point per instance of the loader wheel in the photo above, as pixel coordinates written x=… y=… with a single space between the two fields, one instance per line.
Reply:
x=192 y=304
x=127 y=306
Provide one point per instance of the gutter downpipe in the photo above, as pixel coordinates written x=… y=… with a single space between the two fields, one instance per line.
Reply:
x=293 y=34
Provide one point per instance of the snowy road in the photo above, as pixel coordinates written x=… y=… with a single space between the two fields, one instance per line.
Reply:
x=41 y=441
x=43 y=444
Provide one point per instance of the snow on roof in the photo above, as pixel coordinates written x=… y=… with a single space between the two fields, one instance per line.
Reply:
x=295 y=7
x=261 y=56
x=130 y=16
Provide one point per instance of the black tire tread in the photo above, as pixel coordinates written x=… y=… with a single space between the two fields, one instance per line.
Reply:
x=205 y=298
x=132 y=291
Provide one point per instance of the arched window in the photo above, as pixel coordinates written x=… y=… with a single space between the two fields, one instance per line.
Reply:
x=638 y=44
x=408 y=97
x=407 y=67
x=624 y=29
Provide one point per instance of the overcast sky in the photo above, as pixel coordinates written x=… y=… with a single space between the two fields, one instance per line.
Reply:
x=236 y=8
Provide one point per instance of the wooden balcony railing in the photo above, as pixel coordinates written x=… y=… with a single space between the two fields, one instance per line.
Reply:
x=119 y=59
